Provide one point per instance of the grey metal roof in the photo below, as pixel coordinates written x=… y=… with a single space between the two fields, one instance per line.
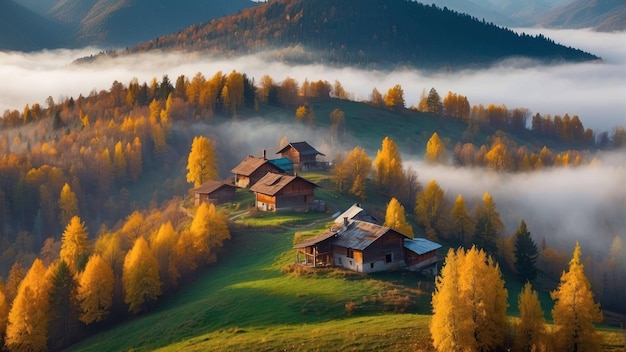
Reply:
x=211 y=186
x=303 y=148
x=272 y=183
x=353 y=212
x=420 y=245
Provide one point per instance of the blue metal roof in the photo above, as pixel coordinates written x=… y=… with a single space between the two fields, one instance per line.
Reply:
x=283 y=163
x=420 y=245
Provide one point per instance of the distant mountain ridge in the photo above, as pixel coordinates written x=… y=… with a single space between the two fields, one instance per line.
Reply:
x=127 y=22
x=370 y=33
x=22 y=29
x=602 y=15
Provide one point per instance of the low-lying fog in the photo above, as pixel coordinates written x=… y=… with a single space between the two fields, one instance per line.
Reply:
x=594 y=91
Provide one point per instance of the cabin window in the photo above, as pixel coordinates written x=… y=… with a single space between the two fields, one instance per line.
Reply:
x=339 y=260
x=350 y=253
x=388 y=258
x=371 y=265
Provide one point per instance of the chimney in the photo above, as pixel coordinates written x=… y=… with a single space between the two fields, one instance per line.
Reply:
x=264 y=154
x=345 y=221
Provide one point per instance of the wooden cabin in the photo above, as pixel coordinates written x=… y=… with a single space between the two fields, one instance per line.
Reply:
x=215 y=192
x=252 y=169
x=302 y=155
x=276 y=192
x=367 y=247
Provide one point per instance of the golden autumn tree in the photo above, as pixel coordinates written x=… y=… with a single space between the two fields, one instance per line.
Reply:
x=469 y=303
x=201 y=163
x=394 y=99
x=75 y=246
x=575 y=310
x=119 y=162
x=140 y=278
x=435 y=150
x=461 y=224
x=498 y=158
x=430 y=210
x=395 y=218
x=163 y=247
x=234 y=84
x=530 y=330
x=27 y=328
x=388 y=166
x=5 y=306
x=16 y=275
x=95 y=290
x=68 y=205
x=357 y=166
x=209 y=229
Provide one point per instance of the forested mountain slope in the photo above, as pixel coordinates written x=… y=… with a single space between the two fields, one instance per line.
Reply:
x=366 y=33
x=126 y=22
x=602 y=15
x=24 y=30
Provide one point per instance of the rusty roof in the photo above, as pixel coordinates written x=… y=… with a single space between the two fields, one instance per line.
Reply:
x=272 y=183
x=361 y=234
x=303 y=148
x=250 y=165
x=211 y=186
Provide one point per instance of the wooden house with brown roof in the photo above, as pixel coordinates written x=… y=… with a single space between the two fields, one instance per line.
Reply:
x=302 y=155
x=252 y=169
x=366 y=247
x=214 y=192
x=275 y=192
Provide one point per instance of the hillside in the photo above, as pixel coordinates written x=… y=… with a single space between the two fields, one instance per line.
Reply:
x=602 y=15
x=122 y=23
x=362 y=33
x=24 y=30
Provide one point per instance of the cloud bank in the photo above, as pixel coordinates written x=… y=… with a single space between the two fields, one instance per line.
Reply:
x=593 y=91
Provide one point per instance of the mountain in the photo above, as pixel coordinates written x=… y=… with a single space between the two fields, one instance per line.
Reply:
x=24 y=30
x=127 y=22
x=367 y=33
x=602 y=15
x=39 y=6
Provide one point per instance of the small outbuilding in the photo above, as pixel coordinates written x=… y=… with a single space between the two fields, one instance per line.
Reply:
x=276 y=192
x=355 y=212
x=302 y=155
x=214 y=192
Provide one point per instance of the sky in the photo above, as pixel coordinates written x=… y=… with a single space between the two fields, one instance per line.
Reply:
x=596 y=91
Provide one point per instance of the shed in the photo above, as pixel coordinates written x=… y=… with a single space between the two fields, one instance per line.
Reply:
x=215 y=192
x=275 y=192
x=252 y=169
x=302 y=155
x=421 y=255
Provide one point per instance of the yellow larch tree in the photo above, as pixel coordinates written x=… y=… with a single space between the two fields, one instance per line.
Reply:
x=133 y=228
x=431 y=210
x=163 y=247
x=358 y=166
x=119 y=162
x=575 y=310
x=435 y=151
x=394 y=99
x=95 y=291
x=234 y=83
x=388 y=166
x=530 y=330
x=395 y=218
x=201 y=163
x=469 y=304
x=209 y=229
x=75 y=246
x=498 y=158
x=68 y=205
x=140 y=277
x=16 y=275
x=4 y=316
x=27 y=328
x=461 y=224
